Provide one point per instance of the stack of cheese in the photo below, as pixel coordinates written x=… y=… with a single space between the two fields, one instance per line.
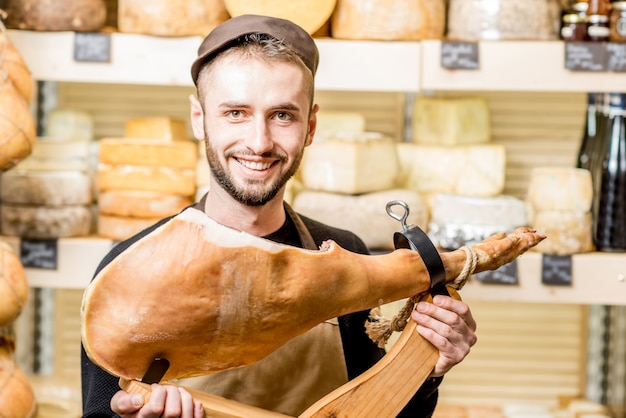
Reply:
x=49 y=194
x=348 y=179
x=145 y=176
x=453 y=164
x=559 y=205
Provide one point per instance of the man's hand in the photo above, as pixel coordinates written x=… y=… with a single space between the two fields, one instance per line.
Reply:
x=448 y=324
x=166 y=401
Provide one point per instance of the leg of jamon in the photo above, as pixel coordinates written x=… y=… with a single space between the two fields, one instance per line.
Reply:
x=209 y=298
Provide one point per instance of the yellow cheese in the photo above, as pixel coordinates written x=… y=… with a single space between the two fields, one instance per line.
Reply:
x=46 y=188
x=40 y=222
x=568 y=232
x=560 y=188
x=157 y=127
x=360 y=163
x=179 y=154
x=471 y=170
x=140 y=203
x=119 y=228
x=440 y=121
x=179 y=181
x=364 y=214
x=68 y=124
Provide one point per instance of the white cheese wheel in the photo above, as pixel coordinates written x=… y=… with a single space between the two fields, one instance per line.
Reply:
x=157 y=127
x=389 y=19
x=170 y=17
x=361 y=163
x=560 y=188
x=181 y=181
x=119 y=228
x=471 y=170
x=53 y=155
x=568 y=232
x=40 y=222
x=148 y=152
x=140 y=203
x=46 y=188
x=69 y=124
x=364 y=214
x=462 y=220
x=443 y=121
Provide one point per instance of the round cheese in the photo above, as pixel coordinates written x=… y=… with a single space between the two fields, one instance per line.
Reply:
x=156 y=127
x=148 y=152
x=389 y=19
x=56 y=15
x=46 y=188
x=119 y=228
x=140 y=203
x=53 y=155
x=15 y=69
x=69 y=124
x=181 y=181
x=39 y=222
x=17 y=127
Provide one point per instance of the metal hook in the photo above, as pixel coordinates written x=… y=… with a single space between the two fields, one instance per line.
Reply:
x=400 y=218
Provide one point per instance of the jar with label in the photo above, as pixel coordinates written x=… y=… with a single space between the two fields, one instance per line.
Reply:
x=574 y=28
x=617 y=22
x=598 y=28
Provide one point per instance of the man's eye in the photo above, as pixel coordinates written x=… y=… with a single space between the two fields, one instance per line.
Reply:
x=283 y=116
x=235 y=113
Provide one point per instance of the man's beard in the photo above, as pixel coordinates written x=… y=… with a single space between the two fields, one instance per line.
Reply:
x=255 y=194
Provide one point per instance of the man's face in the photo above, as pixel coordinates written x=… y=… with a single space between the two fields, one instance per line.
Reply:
x=257 y=122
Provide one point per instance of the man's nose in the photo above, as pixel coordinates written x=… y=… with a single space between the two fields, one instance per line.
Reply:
x=260 y=139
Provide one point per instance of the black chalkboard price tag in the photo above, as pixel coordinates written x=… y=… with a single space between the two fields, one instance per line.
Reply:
x=585 y=56
x=556 y=270
x=616 y=56
x=506 y=274
x=39 y=253
x=460 y=55
x=92 y=47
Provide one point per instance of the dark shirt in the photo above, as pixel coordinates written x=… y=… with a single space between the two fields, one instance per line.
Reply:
x=360 y=353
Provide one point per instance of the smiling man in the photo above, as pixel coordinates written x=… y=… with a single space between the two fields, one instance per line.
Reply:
x=254 y=110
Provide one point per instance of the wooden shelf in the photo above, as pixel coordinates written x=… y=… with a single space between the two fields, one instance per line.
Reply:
x=394 y=66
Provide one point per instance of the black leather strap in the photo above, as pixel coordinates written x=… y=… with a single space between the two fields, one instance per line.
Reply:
x=415 y=239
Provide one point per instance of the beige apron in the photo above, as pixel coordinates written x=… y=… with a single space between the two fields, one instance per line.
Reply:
x=293 y=377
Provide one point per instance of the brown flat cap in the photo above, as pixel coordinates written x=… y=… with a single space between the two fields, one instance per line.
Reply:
x=286 y=31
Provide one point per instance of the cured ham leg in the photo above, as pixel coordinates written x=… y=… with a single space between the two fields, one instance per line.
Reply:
x=209 y=298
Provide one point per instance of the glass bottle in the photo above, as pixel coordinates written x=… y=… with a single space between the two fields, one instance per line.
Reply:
x=598 y=20
x=590 y=131
x=610 y=231
x=617 y=22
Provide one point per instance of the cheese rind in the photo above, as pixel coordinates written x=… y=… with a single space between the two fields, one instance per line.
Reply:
x=156 y=127
x=560 y=189
x=119 y=228
x=179 y=181
x=47 y=188
x=40 y=222
x=568 y=232
x=141 y=203
x=363 y=214
x=442 y=121
x=179 y=154
x=356 y=164
x=471 y=170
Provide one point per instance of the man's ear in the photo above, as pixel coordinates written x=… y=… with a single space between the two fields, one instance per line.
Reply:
x=197 y=118
x=312 y=125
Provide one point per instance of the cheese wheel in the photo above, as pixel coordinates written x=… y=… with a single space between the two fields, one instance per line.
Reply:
x=13 y=284
x=148 y=152
x=170 y=17
x=470 y=170
x=39 y=222
x=389 y=19
x=141 y=203
x=166 y=128
x=56 y=15
x=14 y=69
x=359 y=163
x=311 y=15
x=568 y=232
x=69 y=124
x=560 y=189
x=119 y=228
x=17 y=127
x=438 y=121
x=17 y=398
x=358 y=213
x=46 y=188
x=181 y=181
x=52 y=155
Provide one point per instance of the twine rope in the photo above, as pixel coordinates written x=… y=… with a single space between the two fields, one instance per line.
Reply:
x=379 y=328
